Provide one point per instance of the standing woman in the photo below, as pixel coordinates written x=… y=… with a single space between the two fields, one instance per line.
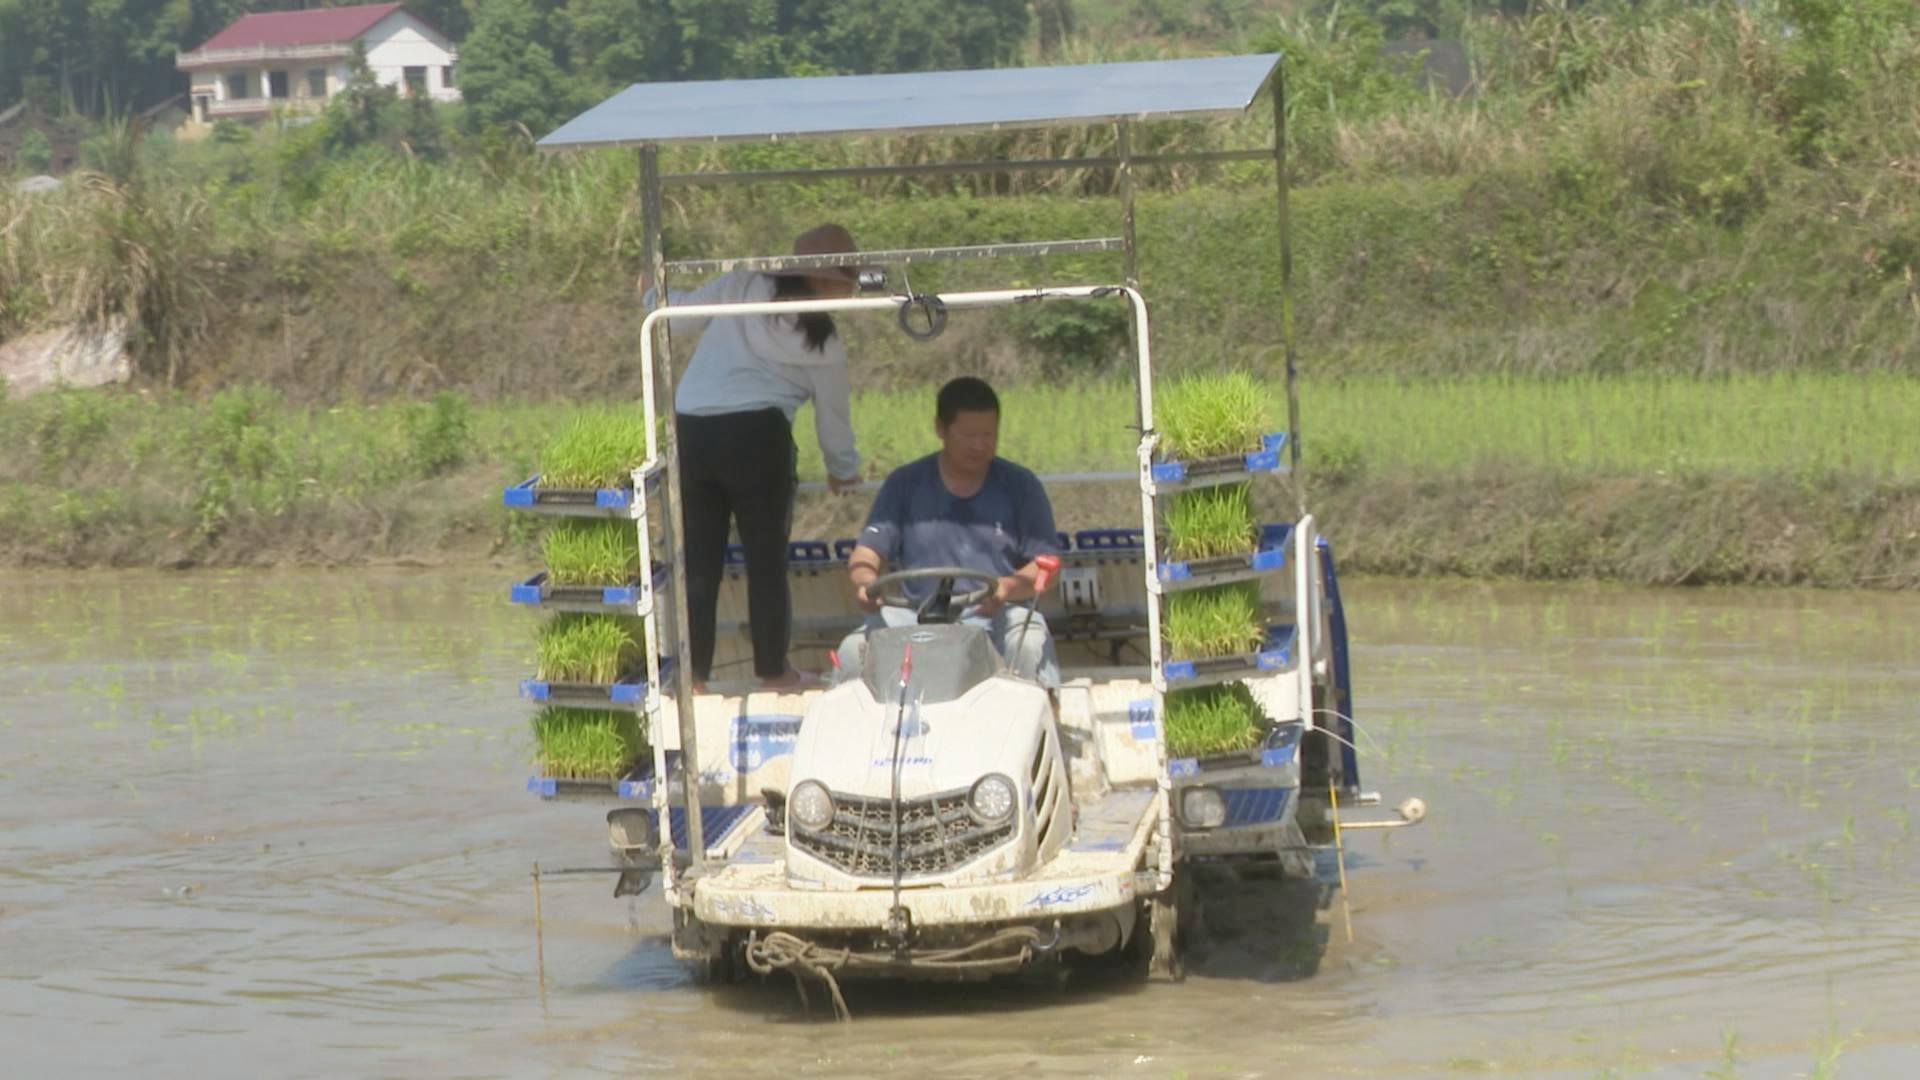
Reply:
x=733 y=410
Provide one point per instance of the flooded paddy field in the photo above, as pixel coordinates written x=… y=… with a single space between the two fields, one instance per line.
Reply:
x=273 y=824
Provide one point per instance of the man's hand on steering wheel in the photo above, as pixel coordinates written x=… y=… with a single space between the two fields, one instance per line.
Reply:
x=991 y=604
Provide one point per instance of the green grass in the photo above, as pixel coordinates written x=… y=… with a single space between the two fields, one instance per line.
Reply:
x=1212 y=720
x=584 y=552
x=1209 y=521
x=586 y=743
x=1634 y=477
x=589 y=648
x=1220 y=621
x=599 y=448
x=1207 y=416
x=1796 y=423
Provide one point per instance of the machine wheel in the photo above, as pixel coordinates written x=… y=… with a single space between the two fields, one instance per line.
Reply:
x=711 y=957
x=718 y=968
x=1163 y=930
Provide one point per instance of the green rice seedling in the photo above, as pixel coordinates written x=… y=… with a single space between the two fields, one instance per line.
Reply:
x=1209 y=521
x=1220 y=621
x=599 y=448
x=584 y=552
x=589 y=648
x=586 y=743
x=1213 y=720
x=1211 y=415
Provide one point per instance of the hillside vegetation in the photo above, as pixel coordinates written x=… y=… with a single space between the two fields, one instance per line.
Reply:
x=1688 y=194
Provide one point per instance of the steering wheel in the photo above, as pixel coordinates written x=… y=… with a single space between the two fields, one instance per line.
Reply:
x=941 y=605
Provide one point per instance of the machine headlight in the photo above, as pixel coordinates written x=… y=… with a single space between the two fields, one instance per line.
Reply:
x=630 y=830
x=810 y=806
x=991 y=799
x=1203 y=808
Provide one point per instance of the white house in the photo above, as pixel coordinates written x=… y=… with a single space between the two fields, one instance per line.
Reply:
x=296 y=60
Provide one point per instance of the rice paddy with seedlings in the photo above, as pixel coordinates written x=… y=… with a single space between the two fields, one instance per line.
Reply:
x=1720 y=779
x=589 y=552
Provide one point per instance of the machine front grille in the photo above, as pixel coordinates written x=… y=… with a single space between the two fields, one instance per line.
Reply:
x=937 y=834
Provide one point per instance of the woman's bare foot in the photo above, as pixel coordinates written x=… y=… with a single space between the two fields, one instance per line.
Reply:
x=791 y=680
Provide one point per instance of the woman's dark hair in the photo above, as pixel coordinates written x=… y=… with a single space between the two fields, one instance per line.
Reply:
x=816 y=325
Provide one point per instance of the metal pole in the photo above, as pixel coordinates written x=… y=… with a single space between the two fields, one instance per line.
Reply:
x=1286 y=283
x=1124 y=172
x=539 y=935
x=670 y=525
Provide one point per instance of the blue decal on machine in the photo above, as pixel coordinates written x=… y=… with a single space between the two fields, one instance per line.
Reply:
x=1065 y=894
x=1140 y=718
x=757 y=739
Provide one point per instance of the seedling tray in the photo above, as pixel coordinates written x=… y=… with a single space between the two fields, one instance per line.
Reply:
x=579 y=789
x=1276 y=751
x=606 y=502
x=1175 y=475
x=1268 y=557
x=614 y=697
x=629 y=599
x=1277 y=655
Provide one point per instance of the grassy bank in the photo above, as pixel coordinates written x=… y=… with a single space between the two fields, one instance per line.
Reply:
x=1763 y=478
x=1684 y=188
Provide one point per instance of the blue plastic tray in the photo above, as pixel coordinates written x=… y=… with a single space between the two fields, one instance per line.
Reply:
x=1277 y=655
x=1225 y=469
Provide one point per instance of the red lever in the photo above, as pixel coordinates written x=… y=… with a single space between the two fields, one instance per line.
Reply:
x=1049 y=565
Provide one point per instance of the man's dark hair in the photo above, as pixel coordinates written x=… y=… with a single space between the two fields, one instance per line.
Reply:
x=965 y=394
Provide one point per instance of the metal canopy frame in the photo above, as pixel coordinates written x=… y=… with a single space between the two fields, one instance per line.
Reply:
x=648 y=116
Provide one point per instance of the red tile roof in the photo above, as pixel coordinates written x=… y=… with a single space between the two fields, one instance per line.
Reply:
x=319 y=26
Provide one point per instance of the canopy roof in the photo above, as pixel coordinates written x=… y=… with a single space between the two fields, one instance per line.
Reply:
x=930 y=102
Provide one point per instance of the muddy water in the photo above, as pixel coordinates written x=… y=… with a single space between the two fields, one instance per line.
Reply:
x=273 y=825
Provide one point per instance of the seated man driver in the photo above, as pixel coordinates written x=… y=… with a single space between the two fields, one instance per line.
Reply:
x=961 y=507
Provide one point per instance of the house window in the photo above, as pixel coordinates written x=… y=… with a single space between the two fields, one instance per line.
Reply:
x=201 y=104
x=237 y=88
x=446 y=77
x=276 y=84
x=416 y=80
x=317 y=83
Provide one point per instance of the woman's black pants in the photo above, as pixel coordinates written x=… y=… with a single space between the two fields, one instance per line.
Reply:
x=738 y=467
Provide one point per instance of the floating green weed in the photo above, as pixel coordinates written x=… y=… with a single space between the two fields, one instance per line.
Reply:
x=585 y=552
x=1212 y=720
x=586 y=743
x=1209 y=521
x=1212 y=415
x=599 y=447
x=589 y=648
x=1213 y=622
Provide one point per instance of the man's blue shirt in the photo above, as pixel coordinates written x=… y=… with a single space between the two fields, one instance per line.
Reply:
x=916 y=522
